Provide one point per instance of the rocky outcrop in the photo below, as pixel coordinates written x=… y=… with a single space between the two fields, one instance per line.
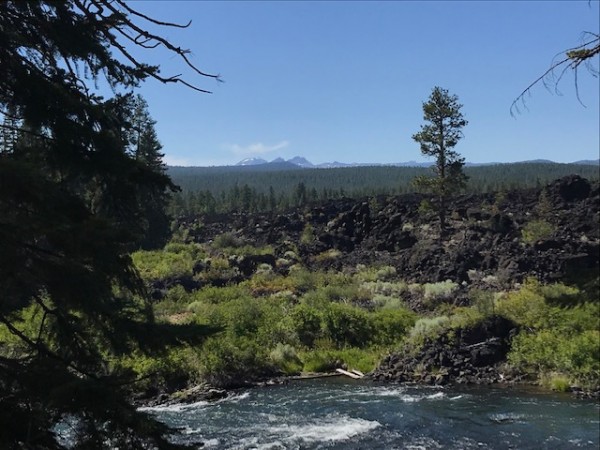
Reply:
x=484 y=240
x=469 y=355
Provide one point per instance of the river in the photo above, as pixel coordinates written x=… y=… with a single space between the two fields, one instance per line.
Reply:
x=343 y=414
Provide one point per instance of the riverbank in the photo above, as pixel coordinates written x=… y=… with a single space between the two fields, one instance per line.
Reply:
x=509 y=294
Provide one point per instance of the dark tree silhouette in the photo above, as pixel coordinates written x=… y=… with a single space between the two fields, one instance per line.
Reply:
x=70 y=212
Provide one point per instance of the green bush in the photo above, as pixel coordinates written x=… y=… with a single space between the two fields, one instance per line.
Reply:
x=161 y=264
x=386 y=288
x=171 y=370
x=347 y=325
x=386 y=273
x=536 y=230
x=227 y=240
x=306 y=323
x=528 y=308
x=389 y=327
x=364 y=360
x=216 y=295
x=483 y=301
x=308 y=234
x=233 y=361
x=388 y=303
x=267 y=283
x=303 y=280
x=558 y=382
x=441 y=290
x=546 y=351
x=320 y=361
x=554 y=339
x=284 y=356
x=426 y=329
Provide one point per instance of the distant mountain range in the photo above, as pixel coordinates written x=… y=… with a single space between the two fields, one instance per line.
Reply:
x=299 y=161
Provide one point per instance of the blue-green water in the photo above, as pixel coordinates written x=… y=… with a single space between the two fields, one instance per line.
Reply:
x=341 y=414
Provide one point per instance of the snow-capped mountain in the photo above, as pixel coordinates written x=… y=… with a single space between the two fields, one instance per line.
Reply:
x=251 y=162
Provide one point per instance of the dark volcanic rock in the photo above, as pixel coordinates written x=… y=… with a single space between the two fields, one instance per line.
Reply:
x=570 y=188
x=473 y=355
x=484 y=235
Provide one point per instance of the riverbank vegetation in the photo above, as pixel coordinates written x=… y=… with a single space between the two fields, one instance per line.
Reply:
x=283 y=318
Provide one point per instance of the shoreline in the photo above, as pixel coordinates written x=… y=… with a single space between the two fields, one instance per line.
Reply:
x=213 y=394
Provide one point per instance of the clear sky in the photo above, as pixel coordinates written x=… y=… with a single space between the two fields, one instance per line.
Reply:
x=346 y=81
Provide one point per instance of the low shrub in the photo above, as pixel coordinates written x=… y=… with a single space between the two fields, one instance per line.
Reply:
x=328 y=255
x=308 y=234
x=284 y=356
x=160 y=264
x=227 y=240
x=306 y=323
x=232 y=361
x=576 y=355
x=389 y=327
x=537 y=230
x=385 y=302
x=347 y=325
x=435 y=293
x=268 y=283
x=426 y=329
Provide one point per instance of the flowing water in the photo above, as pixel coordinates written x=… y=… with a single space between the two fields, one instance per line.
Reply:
x=342 y=414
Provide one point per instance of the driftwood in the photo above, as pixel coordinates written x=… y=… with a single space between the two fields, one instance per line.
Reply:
x=312 y=376
x=349 y=374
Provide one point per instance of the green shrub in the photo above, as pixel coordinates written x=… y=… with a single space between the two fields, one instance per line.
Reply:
x=390 y=326
x=426 y=329
x=386 y=288
x=425 y=209
x=216 y=295
x=559 y=383
x=328 y=255
x=388 y=303
x=267 y=283
x=171 y=370
x=434 y=293
x=303 y=280
x=243 y=317
x=364 y=360
x=347 y=325
x=227 y=240
x=528 y=308
x=306 y=323
x=232 y=361
x=386 y=273
x=483 y=301
x=319 y=361
x=284 y=356
x=536 y=230
x=546 y=351
x=160 y=264
x=308 y=234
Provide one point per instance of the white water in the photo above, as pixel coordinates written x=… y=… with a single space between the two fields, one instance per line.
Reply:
x=340 y=414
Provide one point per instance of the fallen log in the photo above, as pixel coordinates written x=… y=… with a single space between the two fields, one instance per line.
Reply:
x=348 y=374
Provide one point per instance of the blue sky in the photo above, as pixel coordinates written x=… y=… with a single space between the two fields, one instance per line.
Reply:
x=346 y=81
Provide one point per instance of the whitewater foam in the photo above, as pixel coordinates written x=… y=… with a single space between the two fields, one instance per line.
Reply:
x=175 y=407
x=330 y=429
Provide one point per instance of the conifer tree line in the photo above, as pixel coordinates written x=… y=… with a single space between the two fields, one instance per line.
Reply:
x=222 y=190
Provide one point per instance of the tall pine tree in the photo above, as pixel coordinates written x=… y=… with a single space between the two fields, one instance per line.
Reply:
x=437 y=139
